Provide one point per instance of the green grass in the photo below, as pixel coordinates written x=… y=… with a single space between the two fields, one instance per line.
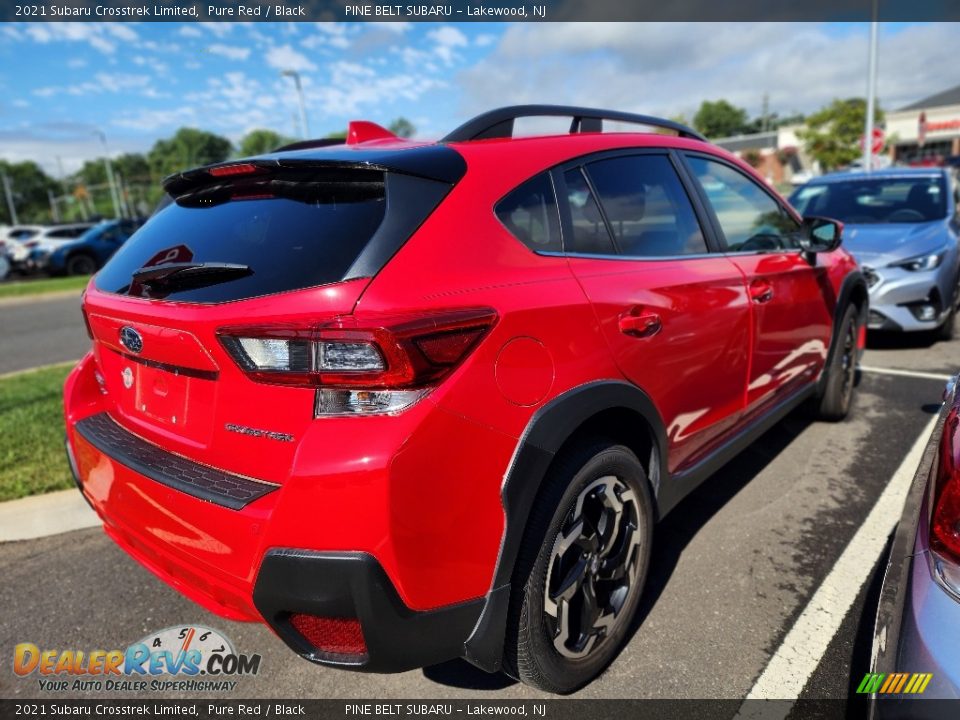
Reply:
x=32 y=458
x=40 y=287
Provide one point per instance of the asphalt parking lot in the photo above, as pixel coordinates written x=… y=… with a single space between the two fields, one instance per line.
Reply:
x=734 y=566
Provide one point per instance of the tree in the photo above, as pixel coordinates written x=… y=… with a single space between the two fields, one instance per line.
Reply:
x=258 y=142
x=717 y=119
x=188 y=148
x=401 y=127
x=29 y=185
x=832 y=136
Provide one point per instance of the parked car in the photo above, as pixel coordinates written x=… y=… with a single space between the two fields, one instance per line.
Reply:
x=919 y=607
x=902 y=226
x=406 y=402
x=88 y=253
x=45 y=239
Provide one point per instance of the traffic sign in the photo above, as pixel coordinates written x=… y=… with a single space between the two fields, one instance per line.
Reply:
x=877 y=143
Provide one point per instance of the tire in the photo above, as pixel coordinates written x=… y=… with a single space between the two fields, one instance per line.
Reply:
x=945 y=331
x=842 y=372
x=81 y=264
x=546 y=645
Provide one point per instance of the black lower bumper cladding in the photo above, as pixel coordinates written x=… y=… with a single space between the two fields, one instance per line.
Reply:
x=353 y=585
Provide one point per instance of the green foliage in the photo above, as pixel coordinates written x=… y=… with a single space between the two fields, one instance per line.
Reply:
x=31 y=421
x=401 y=127
x=833 y=133
x=258 y=142
x=718 y=119
x=29 y=185
x=188 y=148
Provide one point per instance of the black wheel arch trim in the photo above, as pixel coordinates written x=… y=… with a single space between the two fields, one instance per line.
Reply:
x=546 y=432
x=853 y=282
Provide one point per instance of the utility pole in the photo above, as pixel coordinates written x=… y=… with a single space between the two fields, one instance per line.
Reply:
x=54 y=210
x=9 y=193
x=871 y=94
x=113 y=186
x=765 y=123
x=303 y=108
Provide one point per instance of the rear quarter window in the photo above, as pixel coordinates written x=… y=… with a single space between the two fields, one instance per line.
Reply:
x=530 y=214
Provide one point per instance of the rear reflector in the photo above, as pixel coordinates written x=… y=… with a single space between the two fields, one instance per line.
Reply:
x=337 y=636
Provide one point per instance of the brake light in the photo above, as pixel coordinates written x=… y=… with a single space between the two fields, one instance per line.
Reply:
x=338 y=636
x=235 y=169
x=945 y=527
x=360 y=366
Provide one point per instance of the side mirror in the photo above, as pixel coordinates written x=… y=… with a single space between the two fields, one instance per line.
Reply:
x=820 y=235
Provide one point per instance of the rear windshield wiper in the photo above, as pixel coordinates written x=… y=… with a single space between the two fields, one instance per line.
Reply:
x=165 y=278
x=189 y=272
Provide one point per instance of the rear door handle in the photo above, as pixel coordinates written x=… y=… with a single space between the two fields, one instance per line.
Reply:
x=639 y=323
x=761 y=291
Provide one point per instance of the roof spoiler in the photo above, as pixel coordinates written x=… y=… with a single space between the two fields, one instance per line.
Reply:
x=499 y=123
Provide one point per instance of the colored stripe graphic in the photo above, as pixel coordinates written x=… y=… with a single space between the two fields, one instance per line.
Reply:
x=894 y=683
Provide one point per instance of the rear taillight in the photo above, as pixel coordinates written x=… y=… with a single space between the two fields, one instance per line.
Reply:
x=235 y=169
x=359 y=366
x=336 y=636
x=945 y=526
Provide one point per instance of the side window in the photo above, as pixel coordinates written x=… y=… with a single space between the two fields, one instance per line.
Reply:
x=648 y=210
x=590 y=234
x=529 y=212
x=751 y=220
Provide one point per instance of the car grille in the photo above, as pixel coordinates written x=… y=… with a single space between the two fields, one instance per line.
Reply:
x=200 y=481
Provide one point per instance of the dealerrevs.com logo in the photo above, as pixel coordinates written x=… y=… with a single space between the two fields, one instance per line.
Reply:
x=188 y=658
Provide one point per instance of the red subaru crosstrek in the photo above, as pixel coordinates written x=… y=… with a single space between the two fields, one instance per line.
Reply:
x=406 y=402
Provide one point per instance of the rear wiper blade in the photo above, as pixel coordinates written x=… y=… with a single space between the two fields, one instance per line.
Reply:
x=188 y=272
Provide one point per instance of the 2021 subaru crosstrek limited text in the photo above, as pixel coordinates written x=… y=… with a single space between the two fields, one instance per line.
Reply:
x=407 y=402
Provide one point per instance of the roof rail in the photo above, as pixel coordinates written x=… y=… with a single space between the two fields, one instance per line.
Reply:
x=307 y=144
x=499 y=123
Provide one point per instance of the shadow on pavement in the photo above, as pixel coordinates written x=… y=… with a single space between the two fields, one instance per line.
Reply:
x=878 y=340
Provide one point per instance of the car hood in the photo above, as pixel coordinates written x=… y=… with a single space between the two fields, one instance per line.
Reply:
x=877 y=245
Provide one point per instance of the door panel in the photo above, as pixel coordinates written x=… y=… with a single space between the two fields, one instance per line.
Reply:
x=694 y=364
x=676 y=318
x=791 y=326
x=790 y=317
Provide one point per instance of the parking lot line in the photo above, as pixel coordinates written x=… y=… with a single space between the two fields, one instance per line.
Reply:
x=904 y=373
x=791 y=666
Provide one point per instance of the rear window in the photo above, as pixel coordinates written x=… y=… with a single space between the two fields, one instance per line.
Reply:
x=288 y=235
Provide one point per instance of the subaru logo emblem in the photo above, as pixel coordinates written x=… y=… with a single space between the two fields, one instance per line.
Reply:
x=131 y=339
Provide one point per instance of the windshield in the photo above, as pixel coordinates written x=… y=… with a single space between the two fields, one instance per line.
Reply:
x=881 y=200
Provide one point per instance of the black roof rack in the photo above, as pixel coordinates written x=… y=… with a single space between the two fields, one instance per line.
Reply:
x=499 y=123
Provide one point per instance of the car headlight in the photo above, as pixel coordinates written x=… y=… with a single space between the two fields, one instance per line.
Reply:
x=921 y=263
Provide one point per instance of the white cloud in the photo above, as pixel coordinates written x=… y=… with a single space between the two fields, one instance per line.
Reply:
x=285 y=57
x=484 y=40
x=76 y=63
x=231 y=52
x=669 y=68
x=188 y=31
x=18 y=103
x=218 y=29
x=150 y=120
x=447 y=38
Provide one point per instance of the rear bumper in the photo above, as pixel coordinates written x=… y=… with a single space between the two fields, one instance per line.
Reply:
x=354 y=586
x=399 y=530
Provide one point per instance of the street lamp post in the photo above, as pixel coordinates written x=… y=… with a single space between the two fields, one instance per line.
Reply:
x=303 y=108
x=113 y=186
x=871 y=94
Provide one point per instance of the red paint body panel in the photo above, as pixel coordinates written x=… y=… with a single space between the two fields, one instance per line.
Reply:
x=420 y=490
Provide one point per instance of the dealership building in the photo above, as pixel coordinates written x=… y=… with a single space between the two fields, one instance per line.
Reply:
x=927 y=131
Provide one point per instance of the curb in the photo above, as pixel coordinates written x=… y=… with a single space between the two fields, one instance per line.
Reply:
x=40 y=516
x=38 y=368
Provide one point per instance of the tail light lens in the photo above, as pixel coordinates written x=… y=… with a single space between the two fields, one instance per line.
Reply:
x=338 y=636
x=361 y=366
x=945 y=527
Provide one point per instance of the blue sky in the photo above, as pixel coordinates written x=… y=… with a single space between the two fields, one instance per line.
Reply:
x=139 y=82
